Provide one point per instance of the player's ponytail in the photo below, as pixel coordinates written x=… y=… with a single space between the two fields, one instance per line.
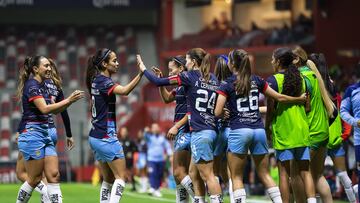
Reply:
x=55 y=76
x=25 y=73
x=91 y=71
x=329 y=105
x=205 y=67
x=202 y=61
x=95 y=65
x=241 y=64
x=292 y=81
x=222 y=71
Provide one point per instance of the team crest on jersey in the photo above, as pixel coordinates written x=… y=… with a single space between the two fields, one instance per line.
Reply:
x=37 y=152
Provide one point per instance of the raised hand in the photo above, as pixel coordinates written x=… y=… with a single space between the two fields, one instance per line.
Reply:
x=157 y=71
x=140 y=63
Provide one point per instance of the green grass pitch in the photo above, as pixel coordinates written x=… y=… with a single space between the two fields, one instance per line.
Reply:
x=86 y=193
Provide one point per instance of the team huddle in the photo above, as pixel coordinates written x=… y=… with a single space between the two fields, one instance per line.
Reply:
x=217 y=120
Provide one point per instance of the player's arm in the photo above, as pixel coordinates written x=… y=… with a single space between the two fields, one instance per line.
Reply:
x=345 y=109
x=263 y=109
x=44 y=108
x=220 y=104
x=270 y=112
x=166 y=96
x=269 y=92
x=125 y=90
x=64 y=115
x=173 y=80
x=175 y=129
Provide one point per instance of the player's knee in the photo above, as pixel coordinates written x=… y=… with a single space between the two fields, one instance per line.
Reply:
x=21 y=175
x=53 y=176
x=34 y=181
x=179 y=173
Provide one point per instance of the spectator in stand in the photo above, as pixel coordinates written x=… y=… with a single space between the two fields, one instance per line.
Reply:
x=129 y=149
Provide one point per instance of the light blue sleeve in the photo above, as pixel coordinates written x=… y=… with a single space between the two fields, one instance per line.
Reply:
x=345 y=110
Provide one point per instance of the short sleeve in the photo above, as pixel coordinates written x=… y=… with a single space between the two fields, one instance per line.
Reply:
x=34 y=91
x=107 y=86
x=224 y=89
x=184 y=78
x=261 y=83
x=272 y=83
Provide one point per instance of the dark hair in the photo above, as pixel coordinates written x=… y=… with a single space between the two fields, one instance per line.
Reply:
x=320 y=62
x=292 y=79
x=179 y=61
x=240 y=59
x=301 y=54
x=95 y=65
x=222 y=70
x=55 y=76
x=25 y=72
x=202 y=59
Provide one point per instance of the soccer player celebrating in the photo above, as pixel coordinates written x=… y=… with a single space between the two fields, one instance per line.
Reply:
x=201 y=88
x=181 y=158
x=102 y=137
x=53 y=87
x=34 y=142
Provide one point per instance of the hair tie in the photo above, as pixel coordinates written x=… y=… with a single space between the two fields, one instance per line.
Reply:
x=225 y=58
x=176 y=59
x=103 y=57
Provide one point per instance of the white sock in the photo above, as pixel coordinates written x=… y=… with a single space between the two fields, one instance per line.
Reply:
x=240 y=196
x=54 y=192
x=188 y=185
x=311 y=200
x=274 y=194
x=105 y=191
x=346 y=182
x=355 y=188
x=117 y=191
x=42 y=189
x=231 y=192
x=181 y=194
x=24 y=193
x=144 y=183
x=216 y=198
x=199 y=199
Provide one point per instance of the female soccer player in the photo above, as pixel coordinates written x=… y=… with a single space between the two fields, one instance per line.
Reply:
x=34 y=142
x=201 y=88
x=54 y=89
x=335 y=148
x=181 y=158
x=350 y=113
x=322 y=108
x=241 y=92
x=102 y=137
x=289 y=126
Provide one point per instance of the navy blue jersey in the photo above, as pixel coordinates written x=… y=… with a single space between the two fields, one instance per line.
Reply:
x=103 y=107
x=54 y=93
x=244 y=111
x=31 y=114
x=201 y=98
x=57 y=95
x=181 y=106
